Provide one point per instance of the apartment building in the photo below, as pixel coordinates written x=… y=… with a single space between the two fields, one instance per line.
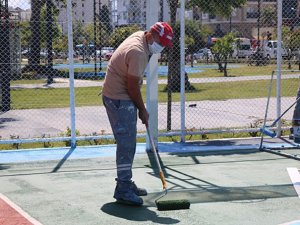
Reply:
x=245 y=20
x=83 y=11
x=123 y=12
x=250 y=20
x=20 y=14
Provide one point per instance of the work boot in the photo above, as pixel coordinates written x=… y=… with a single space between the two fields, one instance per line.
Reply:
x=138 y=191
x=125 y=194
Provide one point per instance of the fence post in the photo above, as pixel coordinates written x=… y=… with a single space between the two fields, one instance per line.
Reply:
x=152 y=79
x=71 y=73
x=5 y=68
x=182 y=68
x=279 y=57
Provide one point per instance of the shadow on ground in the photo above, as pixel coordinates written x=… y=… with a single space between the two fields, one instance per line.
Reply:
x=134 y=213
x=4 y=167
x=4 y=121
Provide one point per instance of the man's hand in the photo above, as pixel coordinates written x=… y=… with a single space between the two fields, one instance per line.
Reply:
x=134 y=93
x=144 y=116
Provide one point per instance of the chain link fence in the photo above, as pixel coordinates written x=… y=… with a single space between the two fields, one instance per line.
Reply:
x=230 y=53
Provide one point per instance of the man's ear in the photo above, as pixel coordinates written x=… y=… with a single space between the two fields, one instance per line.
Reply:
x=150 y=38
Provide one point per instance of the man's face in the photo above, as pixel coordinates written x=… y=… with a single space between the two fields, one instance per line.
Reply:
x=156 y=38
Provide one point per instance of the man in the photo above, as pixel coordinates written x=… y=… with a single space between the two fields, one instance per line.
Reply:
x=122 y=99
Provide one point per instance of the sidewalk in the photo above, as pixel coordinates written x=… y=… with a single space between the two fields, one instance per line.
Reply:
x=213 y=114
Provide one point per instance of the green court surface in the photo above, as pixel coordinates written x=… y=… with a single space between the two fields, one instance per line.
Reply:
x=225 y=186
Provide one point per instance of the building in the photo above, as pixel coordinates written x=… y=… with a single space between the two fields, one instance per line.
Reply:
x=123 y=12
x=255 y=18
x=20 y=14
x=83 y=11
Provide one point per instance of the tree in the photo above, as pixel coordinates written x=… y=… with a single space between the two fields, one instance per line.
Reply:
x=269 y=16
x=89 y=34
x=291 y=40
x=105 y=19
x=194 y=40
x=79 y=33
x=222 y=50
x=120 y=34
x=25 y=34
x=35 y=38
x=216 y=7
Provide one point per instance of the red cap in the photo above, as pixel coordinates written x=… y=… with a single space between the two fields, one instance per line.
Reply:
x=165 y=33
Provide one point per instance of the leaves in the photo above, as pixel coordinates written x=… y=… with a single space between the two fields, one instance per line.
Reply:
x=121 y=33
x=217 y=7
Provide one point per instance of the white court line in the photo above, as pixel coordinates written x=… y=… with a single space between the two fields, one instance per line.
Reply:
x=19 y=210
x=295 y=178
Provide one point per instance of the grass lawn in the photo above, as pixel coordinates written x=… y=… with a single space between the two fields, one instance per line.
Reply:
x=89 y=96
x=243 y=70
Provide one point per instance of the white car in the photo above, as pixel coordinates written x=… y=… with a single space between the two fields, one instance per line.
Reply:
x=204 y=53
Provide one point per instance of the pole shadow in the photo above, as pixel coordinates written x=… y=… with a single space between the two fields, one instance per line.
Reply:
x=63 y=160
x=4 y=167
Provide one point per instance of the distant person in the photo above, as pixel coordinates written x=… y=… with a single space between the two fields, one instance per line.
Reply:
x=269 y=36
x=122 y=99
x=218 y=31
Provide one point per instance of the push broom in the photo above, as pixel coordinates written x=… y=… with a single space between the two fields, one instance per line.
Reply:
x=163 y=205
x=271 y=133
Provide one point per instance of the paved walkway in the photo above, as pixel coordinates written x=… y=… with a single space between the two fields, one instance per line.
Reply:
x=213 y=114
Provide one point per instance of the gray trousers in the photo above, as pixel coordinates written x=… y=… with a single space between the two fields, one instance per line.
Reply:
x=122 y=116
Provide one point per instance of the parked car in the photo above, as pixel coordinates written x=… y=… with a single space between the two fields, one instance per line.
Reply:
x=242 y=48
x=270 y=49
x=204 y=53
x=43 y=53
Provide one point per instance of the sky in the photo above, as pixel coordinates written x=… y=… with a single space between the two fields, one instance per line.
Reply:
x=24 y=4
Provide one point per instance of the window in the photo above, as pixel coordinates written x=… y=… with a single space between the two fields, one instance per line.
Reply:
x=252 y=12
x=211 y=17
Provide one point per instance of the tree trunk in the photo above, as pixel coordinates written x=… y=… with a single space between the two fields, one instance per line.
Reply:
x=225 y=68
x=5 y=68
x=35 y=39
